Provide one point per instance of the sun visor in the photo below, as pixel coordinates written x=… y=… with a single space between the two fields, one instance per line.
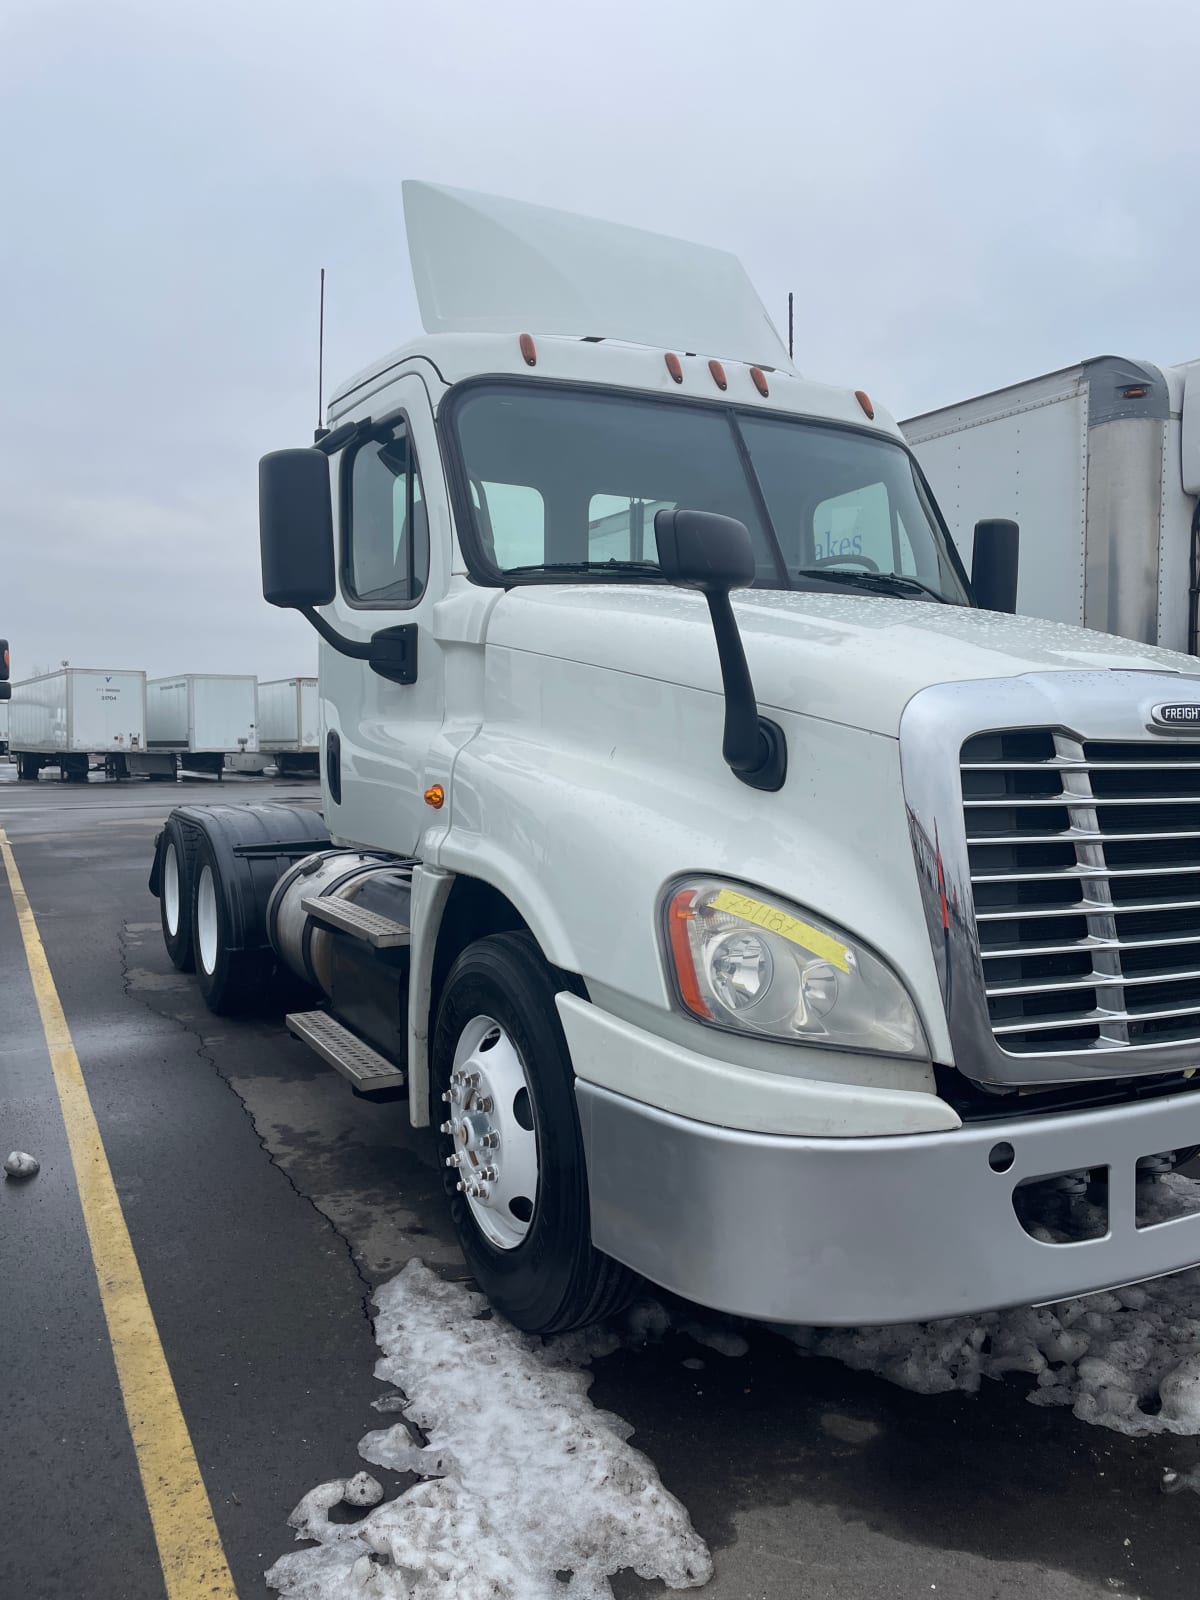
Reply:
x=483 y=264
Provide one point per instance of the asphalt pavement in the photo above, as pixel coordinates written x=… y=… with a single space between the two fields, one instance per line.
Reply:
x=264 y=1201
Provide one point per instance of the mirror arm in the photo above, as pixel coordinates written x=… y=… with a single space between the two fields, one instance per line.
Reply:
x=754 y=747
x=357 y=650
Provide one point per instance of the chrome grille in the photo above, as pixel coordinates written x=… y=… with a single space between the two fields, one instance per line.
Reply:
x=1084 y=864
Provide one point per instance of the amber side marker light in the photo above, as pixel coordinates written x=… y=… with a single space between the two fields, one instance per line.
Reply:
x=864 y=401
x=718 y=374
x=674 y=366
x=528 y=349
x=760 y=381
x=1135 y=391
x=682 y=912
x=435 y=796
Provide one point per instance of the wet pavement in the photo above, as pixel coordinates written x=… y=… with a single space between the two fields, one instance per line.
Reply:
x=264 y=1200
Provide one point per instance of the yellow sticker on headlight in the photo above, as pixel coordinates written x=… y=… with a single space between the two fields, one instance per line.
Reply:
x=778 y=922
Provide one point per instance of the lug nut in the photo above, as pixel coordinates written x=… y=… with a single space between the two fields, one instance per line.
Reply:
x=487 y=1104
x=459 y=1187
x=451 y=1161
x=490 y=1141
x=446 y=1097
x=446 y=1127
x=489 y=1174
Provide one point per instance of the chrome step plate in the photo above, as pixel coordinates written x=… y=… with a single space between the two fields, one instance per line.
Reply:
x=348 y=917
x=364 y=1067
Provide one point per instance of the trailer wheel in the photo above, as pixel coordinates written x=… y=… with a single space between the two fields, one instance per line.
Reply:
x=177 y=865
x=27 y=768
x=511 y=1148
x=230 y=980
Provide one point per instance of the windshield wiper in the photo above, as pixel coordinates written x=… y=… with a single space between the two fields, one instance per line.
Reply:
x=897 y=583
x=621 y=569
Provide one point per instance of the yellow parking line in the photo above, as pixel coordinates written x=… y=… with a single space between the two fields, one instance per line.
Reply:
x=189 y=1546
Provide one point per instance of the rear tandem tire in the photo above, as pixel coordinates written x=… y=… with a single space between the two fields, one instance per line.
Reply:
x=175 y=894
x=231 y=981
x=552 y=1279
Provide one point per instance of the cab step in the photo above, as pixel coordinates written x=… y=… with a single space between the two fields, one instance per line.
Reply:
x=346 y=916
x=364 y=1067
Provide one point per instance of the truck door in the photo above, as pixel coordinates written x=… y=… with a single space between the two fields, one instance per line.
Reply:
x=393 y=536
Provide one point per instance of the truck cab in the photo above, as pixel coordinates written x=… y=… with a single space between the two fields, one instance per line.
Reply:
x=749 y=900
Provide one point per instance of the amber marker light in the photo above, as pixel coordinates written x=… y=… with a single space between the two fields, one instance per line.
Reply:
x=864 y=401
x=760 y=381
x=681 y=913
x=718 y=374
x=674 y=366
x=435 y=796
x=528 y=349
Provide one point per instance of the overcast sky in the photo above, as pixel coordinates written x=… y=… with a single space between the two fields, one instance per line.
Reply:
x=960 y=195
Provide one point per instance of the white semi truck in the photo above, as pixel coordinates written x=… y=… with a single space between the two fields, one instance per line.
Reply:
x=782 y=949
x=195 y=719
x=289 y=725
x=67 y=719
x=1100 y=465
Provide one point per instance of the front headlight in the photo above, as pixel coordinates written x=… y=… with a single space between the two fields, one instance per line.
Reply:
x=745 y=962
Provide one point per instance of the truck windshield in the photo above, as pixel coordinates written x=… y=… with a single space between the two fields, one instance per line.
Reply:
x=565 y=482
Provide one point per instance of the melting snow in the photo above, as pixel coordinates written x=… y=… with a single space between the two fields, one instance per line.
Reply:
x=1129 y=1360
x=523 y=1477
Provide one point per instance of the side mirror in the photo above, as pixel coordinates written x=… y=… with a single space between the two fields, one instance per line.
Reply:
x=994 y=564
x=701 y=550
x=295 y=528
x=4 y=661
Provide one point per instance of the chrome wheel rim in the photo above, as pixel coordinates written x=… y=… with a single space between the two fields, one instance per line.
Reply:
x=206 y=919
x=171 y=890
x=490 y=1123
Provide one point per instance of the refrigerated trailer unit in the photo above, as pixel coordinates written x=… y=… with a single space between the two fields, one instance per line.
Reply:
x=289 y=724
x=1100 y=466
x=743 y=901
x=64 y=719
x=196 y=719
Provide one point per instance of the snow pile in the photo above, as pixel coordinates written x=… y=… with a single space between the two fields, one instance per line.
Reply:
x=1129 y=1360
x=523 y=1478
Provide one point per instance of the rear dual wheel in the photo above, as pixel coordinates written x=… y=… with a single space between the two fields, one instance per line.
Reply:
x=175 y=893
x=231 y=980
x=510 y=1144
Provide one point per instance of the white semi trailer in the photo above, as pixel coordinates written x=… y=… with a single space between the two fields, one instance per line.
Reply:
x=1100 y=465
x=67 y=719
x=289 y=724
x=195 y=719
x=786 y=950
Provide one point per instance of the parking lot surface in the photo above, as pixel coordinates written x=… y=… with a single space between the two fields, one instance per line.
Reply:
x=265 y=1202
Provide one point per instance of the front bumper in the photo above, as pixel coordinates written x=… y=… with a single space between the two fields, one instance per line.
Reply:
x=870 y=1230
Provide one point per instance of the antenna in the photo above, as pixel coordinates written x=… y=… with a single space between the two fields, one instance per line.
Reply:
x=791 y=322
x=321 y=363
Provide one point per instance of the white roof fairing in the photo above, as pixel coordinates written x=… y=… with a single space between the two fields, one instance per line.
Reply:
x=484 y=264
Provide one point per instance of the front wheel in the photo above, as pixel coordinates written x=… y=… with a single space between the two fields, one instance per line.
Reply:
x=511 y=1145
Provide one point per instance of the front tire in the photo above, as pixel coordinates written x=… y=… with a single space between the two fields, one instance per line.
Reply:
x=502 y=1071
x=231 y=981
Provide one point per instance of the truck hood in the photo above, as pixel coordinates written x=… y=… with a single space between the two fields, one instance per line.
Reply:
x=850 y=659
